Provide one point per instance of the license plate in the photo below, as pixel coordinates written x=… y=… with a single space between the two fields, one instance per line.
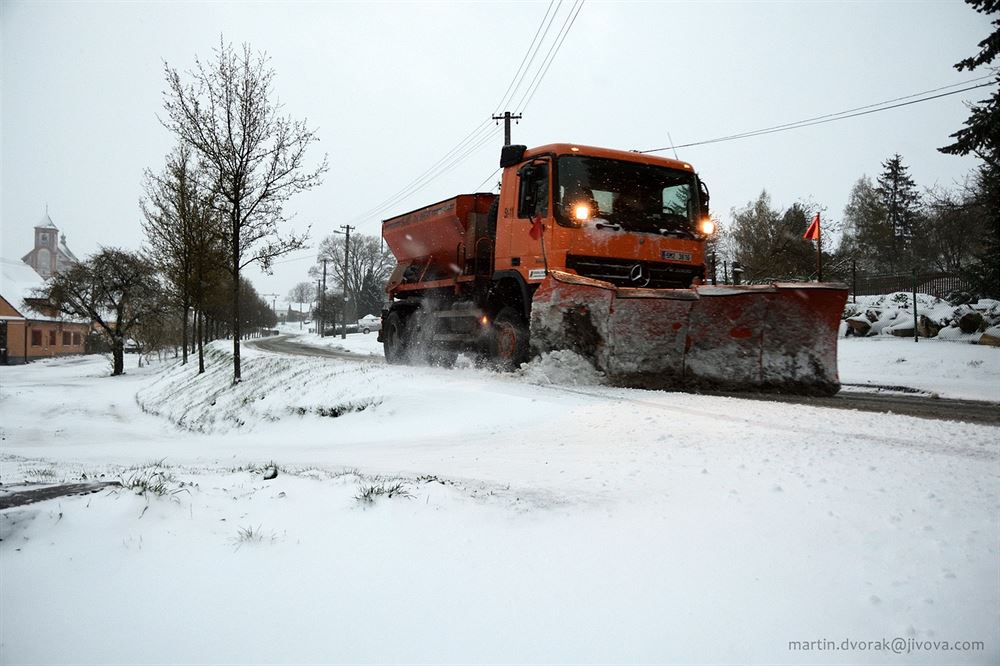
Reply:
x=676 y=256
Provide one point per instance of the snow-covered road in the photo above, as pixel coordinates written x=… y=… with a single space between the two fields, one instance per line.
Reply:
x=541 y=518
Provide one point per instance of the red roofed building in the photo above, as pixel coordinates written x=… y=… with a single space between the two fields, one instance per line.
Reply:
x=29 y=328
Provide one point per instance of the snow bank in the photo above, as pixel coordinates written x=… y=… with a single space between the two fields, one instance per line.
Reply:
x=274 y=387
x=969 y=372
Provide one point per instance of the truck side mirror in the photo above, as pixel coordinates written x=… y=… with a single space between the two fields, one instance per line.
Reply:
x=511 y=155
x=703 y=199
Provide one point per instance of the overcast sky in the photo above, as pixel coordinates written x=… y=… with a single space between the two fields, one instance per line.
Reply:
x=391 y=87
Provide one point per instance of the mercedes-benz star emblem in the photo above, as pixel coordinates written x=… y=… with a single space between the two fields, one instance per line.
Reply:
x=638 y=276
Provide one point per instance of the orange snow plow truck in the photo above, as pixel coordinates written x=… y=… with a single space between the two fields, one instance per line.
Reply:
x=601 y=252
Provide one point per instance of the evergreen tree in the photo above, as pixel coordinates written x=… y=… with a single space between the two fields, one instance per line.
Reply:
x=768 y=242
x=981 y=137
x=867 y=235
x=901 y=203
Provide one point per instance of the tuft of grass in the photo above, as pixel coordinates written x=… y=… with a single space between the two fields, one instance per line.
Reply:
x=368 y=493
x=40 y=473
x=431 y=478
x=151 y=481
x=335 y=411
x=252 y=536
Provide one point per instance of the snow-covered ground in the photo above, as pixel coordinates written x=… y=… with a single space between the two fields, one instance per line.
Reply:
x=532 y=517
x=949 y=369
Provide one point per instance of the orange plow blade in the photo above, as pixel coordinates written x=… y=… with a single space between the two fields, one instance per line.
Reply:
x=780 y=337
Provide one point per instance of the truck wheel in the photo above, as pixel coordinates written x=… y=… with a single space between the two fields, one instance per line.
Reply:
x=509 y=340
x=394 y=339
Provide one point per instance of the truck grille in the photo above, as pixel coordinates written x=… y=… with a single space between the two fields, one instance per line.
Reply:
x=623 y=272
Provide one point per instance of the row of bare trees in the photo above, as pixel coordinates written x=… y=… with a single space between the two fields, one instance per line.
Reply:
x=185 y=235
x=139 y=297
x=250 y=160
x=214 y=209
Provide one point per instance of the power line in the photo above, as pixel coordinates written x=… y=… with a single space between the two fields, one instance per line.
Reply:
x=472 y=150
x=311 y=255
x=442 y=166
x=486 y=180
x=551 y=55
x=405 y=191
x=480 y=135
x=511 y=88
x=831 y=117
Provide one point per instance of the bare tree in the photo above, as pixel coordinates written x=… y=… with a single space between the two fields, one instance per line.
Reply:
x=952 y=232
x=255 y=157
x=301 y=293
x=116 y=289
x=368 y=269
x=184 y=235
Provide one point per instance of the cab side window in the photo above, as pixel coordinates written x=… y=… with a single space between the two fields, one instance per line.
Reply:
x=534 y=194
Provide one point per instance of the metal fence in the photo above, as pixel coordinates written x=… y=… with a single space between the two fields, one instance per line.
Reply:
x=935 y=284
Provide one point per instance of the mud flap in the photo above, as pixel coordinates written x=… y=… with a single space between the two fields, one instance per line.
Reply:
x=779 y=337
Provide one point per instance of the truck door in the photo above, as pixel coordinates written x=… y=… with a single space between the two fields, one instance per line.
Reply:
x=530 y=202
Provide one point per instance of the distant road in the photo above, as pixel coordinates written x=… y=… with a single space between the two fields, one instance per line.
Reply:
x=922 y=406
x=282 y=344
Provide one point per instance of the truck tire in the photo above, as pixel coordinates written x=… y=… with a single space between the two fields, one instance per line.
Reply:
x=509 y=339
x=395 y=339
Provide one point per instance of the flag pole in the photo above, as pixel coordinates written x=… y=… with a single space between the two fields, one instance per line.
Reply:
x=814 y=233
x=819 y=252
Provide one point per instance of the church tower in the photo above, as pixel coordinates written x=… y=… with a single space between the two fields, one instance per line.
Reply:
x=50 y=253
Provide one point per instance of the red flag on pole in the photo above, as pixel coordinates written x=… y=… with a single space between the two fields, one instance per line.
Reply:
x=812 y=233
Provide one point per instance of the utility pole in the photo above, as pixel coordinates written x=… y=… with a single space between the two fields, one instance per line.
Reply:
x=324 y=260
x=319 y=305
x=347 y=253
x=506 y=118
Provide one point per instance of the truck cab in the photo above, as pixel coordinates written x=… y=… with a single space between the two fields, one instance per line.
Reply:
x=622 y=217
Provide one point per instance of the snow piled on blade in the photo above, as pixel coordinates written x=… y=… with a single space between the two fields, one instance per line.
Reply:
x=561 y=367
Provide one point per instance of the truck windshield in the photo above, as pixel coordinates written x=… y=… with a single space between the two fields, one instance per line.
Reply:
x=629 y=195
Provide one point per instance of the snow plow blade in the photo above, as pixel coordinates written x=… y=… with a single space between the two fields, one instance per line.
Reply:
x=778 y=338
